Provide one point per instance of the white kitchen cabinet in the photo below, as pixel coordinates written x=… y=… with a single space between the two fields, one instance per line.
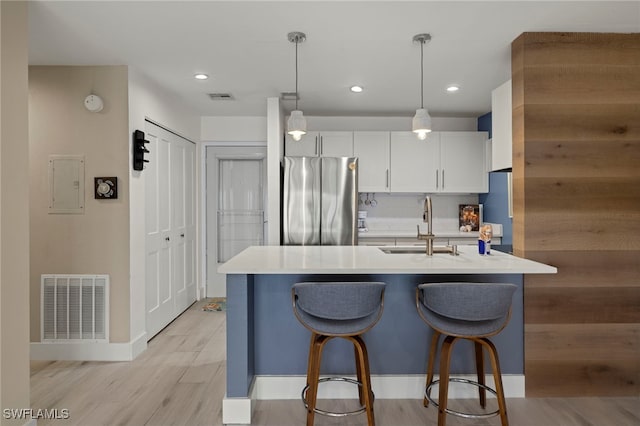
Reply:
x=326 y=144
x=446 y=162
x=501 y=130
x=414 y=163
x=372 y=150
x=336 y=144
x=463 y=162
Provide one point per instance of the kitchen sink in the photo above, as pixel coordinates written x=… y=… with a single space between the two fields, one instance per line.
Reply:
x=453 y=250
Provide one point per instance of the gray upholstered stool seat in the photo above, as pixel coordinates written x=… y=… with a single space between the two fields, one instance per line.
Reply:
x=472 y=311
x=338 y=309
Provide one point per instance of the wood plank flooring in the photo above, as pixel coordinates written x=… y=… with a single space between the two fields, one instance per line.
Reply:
x=180 y=380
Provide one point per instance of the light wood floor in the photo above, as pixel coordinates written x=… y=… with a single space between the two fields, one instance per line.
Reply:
x=180 y=380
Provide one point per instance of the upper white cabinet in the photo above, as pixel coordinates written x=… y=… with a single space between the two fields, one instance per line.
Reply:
x=501 y=136
x=463 y=162
x=414 y=163
x=446 y=162
x=372 y=150
x=326 y=144
x=336 y=144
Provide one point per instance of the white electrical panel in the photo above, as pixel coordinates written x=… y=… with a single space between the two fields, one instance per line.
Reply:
x=66 y=184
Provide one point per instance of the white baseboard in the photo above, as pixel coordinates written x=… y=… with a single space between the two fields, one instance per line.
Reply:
x=384 y=386
x=238 y=410
x=89 y=351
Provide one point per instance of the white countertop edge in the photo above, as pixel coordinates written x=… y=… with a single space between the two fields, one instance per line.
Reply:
x=370 y=260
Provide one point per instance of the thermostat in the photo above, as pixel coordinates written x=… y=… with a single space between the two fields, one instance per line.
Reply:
x=106 y=187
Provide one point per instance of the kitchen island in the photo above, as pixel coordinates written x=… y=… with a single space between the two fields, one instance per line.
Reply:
x=267 y=347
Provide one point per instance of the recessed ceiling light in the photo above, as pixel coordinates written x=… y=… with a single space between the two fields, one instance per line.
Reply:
x=356 y=89
x=453 y=88
x=200 y=76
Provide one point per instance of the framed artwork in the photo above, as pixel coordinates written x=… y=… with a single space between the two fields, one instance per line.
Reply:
x=469 y=217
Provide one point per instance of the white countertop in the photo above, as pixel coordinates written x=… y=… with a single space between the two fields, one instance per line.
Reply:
x=364 y=259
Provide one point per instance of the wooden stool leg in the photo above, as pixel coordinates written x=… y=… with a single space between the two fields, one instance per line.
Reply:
x=367 y=372
x=314 y=336
x=445 y=361
x=315 y=358
x=359 y=370
x=433 y=350
x=482 y=393
x=363 y=356
x=497 y=377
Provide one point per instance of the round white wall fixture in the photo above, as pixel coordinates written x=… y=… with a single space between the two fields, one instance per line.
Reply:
x=93 y=103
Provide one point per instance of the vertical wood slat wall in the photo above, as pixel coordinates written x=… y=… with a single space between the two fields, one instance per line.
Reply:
x=576 y=194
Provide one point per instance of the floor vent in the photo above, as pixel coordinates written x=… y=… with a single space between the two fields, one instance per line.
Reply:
x=74 y=308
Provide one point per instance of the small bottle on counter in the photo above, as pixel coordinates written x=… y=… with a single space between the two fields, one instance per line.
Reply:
x=484 y=239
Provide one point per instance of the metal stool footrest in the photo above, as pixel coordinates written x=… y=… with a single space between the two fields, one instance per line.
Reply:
x=427 y=394
x=360 y=410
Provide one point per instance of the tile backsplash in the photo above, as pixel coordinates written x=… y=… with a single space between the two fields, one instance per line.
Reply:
x=402 y=210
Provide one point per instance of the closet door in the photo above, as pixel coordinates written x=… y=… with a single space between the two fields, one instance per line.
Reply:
x=170 y=227
x=183 y=224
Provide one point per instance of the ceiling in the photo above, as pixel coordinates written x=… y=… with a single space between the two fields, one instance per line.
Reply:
x=243 y=47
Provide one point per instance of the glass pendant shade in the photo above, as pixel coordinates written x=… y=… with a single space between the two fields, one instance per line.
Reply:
x=421 y=123
x=296 y=125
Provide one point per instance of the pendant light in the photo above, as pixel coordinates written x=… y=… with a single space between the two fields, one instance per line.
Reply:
x=297 y=124
x=422 y=121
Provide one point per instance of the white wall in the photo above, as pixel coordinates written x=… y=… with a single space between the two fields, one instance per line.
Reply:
x=255 y=129
x=77 y=243
x=275 y=150
x=233 y=129
x=148 y=100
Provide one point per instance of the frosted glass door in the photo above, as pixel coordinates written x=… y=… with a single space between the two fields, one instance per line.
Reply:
x=240 y=206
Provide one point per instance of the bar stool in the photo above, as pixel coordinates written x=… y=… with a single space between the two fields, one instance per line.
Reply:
x=471 y=311
x=338 y=309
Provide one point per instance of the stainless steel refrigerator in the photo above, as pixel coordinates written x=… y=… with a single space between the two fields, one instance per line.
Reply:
x=320 y=201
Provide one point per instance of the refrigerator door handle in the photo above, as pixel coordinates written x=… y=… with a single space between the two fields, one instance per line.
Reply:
x=317 y=152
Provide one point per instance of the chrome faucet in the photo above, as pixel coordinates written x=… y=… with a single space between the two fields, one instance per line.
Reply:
x=427 y=217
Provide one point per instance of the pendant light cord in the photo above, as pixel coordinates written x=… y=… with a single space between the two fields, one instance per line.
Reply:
x=296 y=73
x=421 y=75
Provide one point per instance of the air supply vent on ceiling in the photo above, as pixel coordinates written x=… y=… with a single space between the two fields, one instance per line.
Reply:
x=221 y=96
x=289 y=96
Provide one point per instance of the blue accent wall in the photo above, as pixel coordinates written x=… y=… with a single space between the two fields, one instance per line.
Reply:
x=496 y=201
x=484 y=123
x=496 y=205
x=265 y=338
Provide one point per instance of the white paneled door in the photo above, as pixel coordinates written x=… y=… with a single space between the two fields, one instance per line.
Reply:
x=235 y=206
x=170 y=227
